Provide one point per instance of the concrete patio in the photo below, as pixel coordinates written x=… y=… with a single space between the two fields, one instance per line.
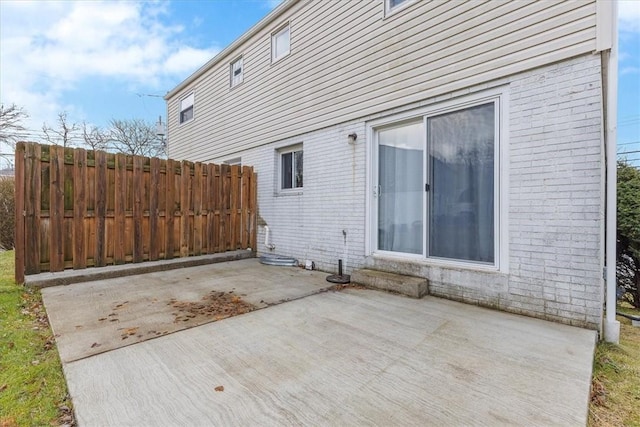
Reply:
x=353 y=357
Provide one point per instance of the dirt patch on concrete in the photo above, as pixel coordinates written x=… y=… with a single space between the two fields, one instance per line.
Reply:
x=216 y=305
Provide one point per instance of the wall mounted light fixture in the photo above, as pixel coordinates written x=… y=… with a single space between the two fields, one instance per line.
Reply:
x=352 y=138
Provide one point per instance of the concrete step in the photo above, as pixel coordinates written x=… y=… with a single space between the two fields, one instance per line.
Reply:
x=415 y=287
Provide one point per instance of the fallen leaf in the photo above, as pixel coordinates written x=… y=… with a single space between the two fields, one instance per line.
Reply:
x=11 y=345
x=102 y=319
x=35 y=362
x=3 y=387
x=219 y=388
x=95 y=344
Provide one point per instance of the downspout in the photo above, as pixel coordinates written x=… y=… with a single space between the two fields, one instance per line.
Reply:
x=267 y=243
x=611 y=325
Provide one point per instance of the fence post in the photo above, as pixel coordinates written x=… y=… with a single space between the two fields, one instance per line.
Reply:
x=32 y=200
x=19 y=212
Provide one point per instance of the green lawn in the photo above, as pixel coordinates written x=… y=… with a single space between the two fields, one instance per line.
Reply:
x=615 y=391
x=33 y=391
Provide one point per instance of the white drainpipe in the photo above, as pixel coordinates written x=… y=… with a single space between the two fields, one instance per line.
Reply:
x=611 y=325
x=266 y=239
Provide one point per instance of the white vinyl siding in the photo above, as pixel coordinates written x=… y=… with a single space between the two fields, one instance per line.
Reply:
x=237 y=72
x=351 y=63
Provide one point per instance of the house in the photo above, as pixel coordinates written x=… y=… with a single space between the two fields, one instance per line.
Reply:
x=462 y=142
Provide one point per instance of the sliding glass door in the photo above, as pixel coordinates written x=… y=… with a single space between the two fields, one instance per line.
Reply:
x=439 y=173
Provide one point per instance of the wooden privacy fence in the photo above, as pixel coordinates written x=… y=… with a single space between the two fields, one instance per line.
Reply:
x=77 y=208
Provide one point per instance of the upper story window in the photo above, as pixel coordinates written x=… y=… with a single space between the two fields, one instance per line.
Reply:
x=394 y=5
x=280 y=43
x=234 y=161
x=237 y=72
x=186 y=108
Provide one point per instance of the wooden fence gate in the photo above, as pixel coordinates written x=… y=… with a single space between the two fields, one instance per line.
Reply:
x=77 y=208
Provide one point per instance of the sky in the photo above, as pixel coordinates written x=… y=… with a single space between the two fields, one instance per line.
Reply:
x=102 y=60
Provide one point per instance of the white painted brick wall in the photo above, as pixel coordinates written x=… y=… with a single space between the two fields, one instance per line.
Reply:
x=555 y=214
x=554 y=202
x=309 y=224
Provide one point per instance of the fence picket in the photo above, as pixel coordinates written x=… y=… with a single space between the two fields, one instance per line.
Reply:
x=56 y=209
x=154 y=186
x=101 y=208
x=138 y=195
x=79 y=207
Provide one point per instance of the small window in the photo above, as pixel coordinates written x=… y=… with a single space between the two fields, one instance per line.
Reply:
x=237 y=72
x=291 y=168
x=393 y=5
x=186 y=108
x=280 y=43
x=234 y=161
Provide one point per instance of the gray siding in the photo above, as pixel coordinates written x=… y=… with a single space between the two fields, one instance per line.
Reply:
x=348 y=61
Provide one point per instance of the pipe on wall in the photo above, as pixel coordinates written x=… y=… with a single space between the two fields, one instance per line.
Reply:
x=267 y=232
x=611 y=325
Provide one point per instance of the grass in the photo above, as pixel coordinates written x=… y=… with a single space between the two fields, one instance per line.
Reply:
x=615 y=389
x=33 y=391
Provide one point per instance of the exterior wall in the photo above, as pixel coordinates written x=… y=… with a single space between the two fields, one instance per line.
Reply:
x=555 y=213
x=349 y=61
x=554 y=203
x=309 y=224
x=349 y=65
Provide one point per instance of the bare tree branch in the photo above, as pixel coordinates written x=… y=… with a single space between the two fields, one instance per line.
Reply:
x=135 y=136
x=11 y=128
x=64 y=134
x=94 y=137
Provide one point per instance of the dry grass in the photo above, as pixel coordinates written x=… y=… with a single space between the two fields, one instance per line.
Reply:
x=615 y=390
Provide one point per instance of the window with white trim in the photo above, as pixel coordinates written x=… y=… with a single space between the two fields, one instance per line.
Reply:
x=234 y=161
x=237 y=72
x=280 y=43
x=436 y=183
x=394 y=5
x=291 y=167
x=186 y=108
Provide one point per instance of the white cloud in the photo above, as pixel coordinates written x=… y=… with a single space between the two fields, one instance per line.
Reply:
x=629 y=70
x=49 y=47
x=629 y=16
x=182 y=61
